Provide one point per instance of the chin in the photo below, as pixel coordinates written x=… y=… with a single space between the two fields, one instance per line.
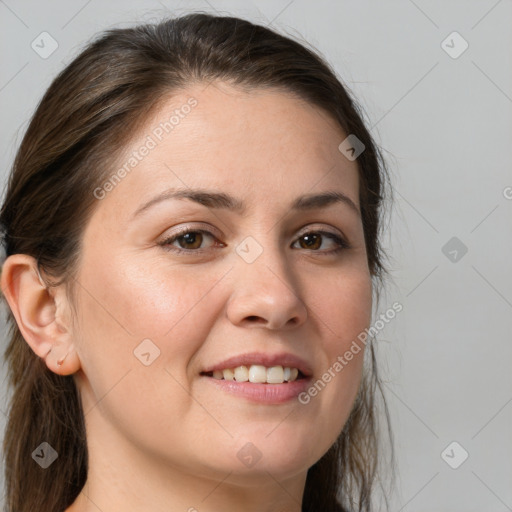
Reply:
x=284 y=453
x=266 y=468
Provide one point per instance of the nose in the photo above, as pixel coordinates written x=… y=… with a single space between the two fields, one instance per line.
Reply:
x=266 y=294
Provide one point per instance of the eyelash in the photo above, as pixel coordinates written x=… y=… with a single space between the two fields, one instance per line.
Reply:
x=166 y=244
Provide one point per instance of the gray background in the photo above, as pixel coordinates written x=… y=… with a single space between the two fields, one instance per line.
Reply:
x=446 y=126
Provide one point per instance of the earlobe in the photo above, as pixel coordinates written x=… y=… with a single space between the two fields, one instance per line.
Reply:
x=34 y=307
x=64 y=361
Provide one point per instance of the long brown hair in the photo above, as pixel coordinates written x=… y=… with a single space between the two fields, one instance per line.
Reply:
x=84 y=120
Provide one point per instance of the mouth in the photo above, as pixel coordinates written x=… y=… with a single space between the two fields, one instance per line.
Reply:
x=257 y=374
x=261 y=377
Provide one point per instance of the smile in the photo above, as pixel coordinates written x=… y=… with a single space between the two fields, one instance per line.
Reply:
x=257 y=374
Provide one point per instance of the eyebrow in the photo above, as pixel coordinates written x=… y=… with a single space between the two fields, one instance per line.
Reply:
x=220 y=200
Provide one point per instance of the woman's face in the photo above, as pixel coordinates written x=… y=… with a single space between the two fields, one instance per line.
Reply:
x=256 y=282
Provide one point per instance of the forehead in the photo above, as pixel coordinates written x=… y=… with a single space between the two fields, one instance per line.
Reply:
x=264 y=143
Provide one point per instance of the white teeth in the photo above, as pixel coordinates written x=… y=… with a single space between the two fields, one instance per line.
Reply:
x=258 y=373
x=275 y=375
x=241 y=374
x=228 y=374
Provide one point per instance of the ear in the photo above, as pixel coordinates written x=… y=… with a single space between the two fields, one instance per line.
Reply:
x=42 y=313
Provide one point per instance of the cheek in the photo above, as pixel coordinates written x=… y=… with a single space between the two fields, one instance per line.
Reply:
x=122 y=305
x=342 y=309
x=342 y=304
x=149 y=299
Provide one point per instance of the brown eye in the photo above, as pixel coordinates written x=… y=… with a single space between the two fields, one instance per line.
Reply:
x=311 y=241
x=314 y=240
x=190 y=240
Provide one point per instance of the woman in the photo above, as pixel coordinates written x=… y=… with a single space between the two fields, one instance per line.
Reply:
x=191 y=229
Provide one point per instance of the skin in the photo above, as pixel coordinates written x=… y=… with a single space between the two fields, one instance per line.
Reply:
x=161 y=437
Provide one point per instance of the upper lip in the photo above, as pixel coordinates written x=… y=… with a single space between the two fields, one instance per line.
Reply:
x=282 y=359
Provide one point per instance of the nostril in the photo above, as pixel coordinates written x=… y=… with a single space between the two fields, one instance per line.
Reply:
x=255 y=318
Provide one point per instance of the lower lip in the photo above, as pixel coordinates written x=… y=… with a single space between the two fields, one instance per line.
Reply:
x=263 y=393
